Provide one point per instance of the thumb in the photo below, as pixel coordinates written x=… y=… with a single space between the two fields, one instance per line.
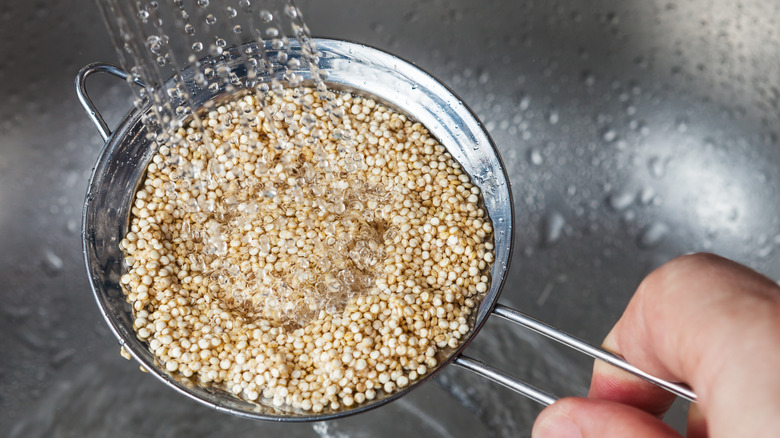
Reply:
x=590 y=418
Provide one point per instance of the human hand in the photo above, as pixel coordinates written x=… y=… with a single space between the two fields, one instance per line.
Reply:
x=699 y=319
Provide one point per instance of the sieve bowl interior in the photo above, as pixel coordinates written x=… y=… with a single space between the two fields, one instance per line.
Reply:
x=349 y=67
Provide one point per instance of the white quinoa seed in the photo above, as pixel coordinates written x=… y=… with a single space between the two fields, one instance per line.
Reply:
x=298 y=263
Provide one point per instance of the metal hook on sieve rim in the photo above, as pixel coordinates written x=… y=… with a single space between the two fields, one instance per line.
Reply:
x=86 y=102
x=557 y=335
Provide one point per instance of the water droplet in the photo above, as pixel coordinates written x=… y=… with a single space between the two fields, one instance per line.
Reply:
x=764 y=251
x=52 y=263
x=646 y=196
x=609 y=135
x=291 y=12
x=652 y=235
x=266 y=16
x=682 y=125
x=61 y=357
x=552 y=230
x=197 y=46
x=32 y=339
x=588 y=79
x=525 y=102
x=657 y=166
x=535 y=157
x=72 y=226
x=553 y=117
x=154 y=43
x=15 y=313
x=621 y=200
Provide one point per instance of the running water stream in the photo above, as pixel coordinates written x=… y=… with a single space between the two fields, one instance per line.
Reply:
x=169 y=46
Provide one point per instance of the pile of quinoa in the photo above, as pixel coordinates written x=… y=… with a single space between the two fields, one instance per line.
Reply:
x=307 y=253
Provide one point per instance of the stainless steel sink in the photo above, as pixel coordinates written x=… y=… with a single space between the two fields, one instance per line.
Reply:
x=633 y=132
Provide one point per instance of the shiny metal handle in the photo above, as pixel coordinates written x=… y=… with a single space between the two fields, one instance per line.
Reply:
x=86 y=102
x=568 y=340
x=504 y=379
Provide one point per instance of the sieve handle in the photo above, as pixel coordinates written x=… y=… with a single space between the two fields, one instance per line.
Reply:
x=570 y=341
x=504 y=379
x=86 y=102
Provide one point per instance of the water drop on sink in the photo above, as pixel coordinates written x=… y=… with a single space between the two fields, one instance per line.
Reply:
x=535 y=157
x=553 y=117
x=553 y=228
x=525 y=102
x=621 y=200
x=609 y=135
x=657 y=166
x=483 y=78
x=52 y=263
x=652 y=235
x=72 y=226
x=588 y=79
x=682 y=126
x=61 y=357
x=646 y=196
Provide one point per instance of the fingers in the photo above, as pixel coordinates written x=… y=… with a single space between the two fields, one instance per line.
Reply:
x=610 y=383
x=713 y=324
x=589 y=418
x=697 y=425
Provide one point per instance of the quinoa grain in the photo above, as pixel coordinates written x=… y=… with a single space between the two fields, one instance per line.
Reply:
x=305 y=260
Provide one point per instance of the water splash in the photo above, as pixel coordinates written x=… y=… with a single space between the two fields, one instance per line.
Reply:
x=166 y=47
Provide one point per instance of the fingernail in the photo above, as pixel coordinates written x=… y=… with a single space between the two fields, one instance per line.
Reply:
x=556 y=426
x=610 y=342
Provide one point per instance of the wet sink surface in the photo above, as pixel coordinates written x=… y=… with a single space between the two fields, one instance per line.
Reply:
x=631 y=132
